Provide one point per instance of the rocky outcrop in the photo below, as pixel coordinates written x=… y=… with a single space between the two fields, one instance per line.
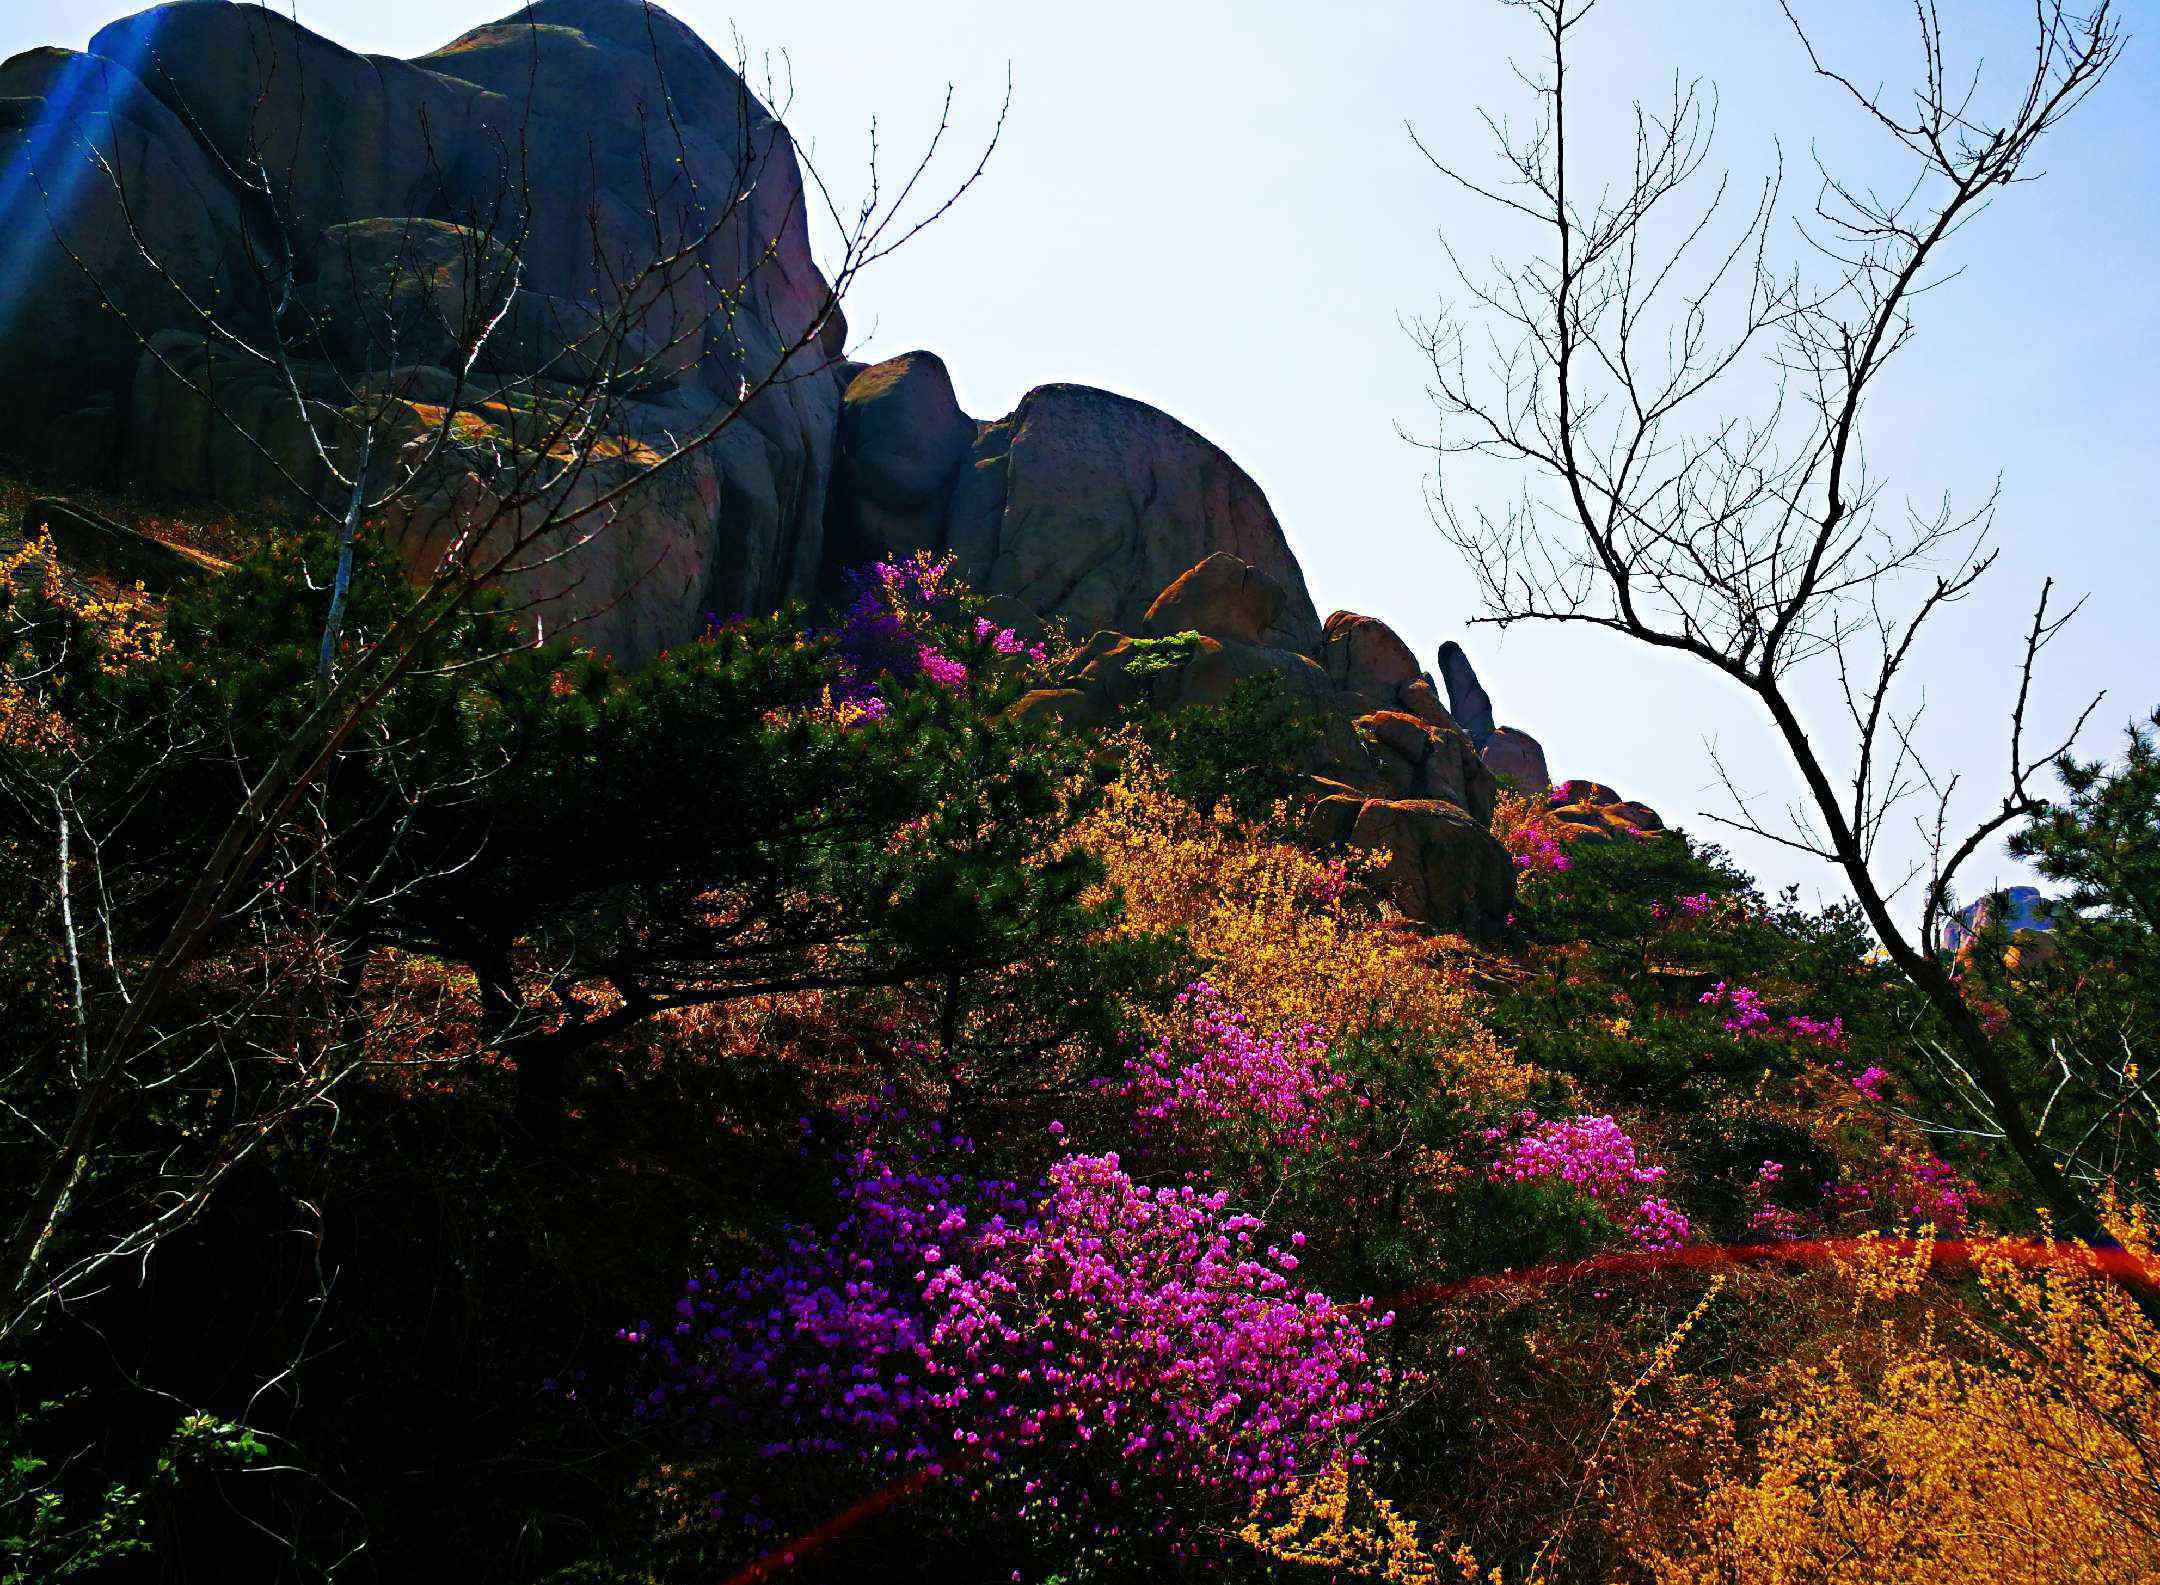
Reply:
x=67 y=364
x=400 y=199
x=1416 y=759
x=1517 y=759
x=1079 y=504
x=422 y=164
x=1510 y=753
x=902 y=438
x=2011 y=909
x=1592 y=811
x=1389 y=771
x=1443 y=865
x=1467 y=700
x=406 y=190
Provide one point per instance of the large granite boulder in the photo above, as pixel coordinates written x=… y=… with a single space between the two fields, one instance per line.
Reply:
x=1086 y=505
x=397 y=187
x=1416 y=759
x=1222 y=597
x=1517 y=758
x=902 y=433
x=87 y=151
x=1078 y=504
x=1444 y=866
x=1365 y=656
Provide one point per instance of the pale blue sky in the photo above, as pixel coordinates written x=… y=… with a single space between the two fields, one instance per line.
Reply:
x=1214 y=207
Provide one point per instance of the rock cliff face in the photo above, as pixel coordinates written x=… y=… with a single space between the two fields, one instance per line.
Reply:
x=1078 y=503
x=245 y=154
x=207 y=156
x=2013 y=909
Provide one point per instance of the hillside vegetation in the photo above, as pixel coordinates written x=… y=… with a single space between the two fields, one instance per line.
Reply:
x=790 y=1112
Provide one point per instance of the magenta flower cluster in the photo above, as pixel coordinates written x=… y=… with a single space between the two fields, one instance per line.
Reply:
x=1328 y=883
x=889 y=632
x=1593 y=1155
x=1929 y=1190
x=1004 y=641
x=1218 y=1073
x=1158 y=1339
x=1086 y=1345
x=1870 y=1081
x=1766 y=1218
x=1744 y=1011
x=940 y=667
x=1542 y=854
x=1746 y=1015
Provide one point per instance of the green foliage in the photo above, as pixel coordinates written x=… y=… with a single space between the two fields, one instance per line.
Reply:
x=55 y=1524
x=1151 y=657
x=1398 y=1222
x=2082 y=1006
x=1630 y=937
x=2102 y=840
x=1248 y=751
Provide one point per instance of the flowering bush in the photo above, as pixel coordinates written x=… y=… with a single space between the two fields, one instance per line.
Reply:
x=1595 y=1157
x=1997 y=1431
x=903 y=621
x=1533 y=839
x=1252 y=908
x=1766 y=1217
x=1087 y=1351
x=1906 y=1187
x=1746 y=1015
x=1214 y=1074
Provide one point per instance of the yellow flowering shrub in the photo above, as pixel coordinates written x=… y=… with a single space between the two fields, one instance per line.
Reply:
x=51 y=627
x=1334 y=1523
x=2014 y=1436
x=1278 y=927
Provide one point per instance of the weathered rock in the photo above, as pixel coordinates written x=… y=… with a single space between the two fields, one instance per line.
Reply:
x=391 y=290
x=902 y=440
x=1467 y=700
x=349 y=135
x=402 y=204
x=1363 y=654
x=387 y=163
x=1404 y=779
x=1517 y=758
x=1073 y=706
x=1444 y=867
x=1420 y=760
x=1222 y=597
x=902 y=434
x=1589 y=810
x=66 y=361
x=2013 y=908
x=1086 y=505
x=1418 y=697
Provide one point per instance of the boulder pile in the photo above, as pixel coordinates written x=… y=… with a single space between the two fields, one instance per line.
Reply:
x=145 y=181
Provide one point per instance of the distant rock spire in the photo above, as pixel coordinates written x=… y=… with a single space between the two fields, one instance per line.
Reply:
x=1467 y=700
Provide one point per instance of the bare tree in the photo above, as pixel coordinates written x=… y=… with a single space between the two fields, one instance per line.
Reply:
x=525 y=458
x=1692 y=416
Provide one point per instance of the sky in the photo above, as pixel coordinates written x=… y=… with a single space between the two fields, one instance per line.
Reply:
x=1216 y=208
